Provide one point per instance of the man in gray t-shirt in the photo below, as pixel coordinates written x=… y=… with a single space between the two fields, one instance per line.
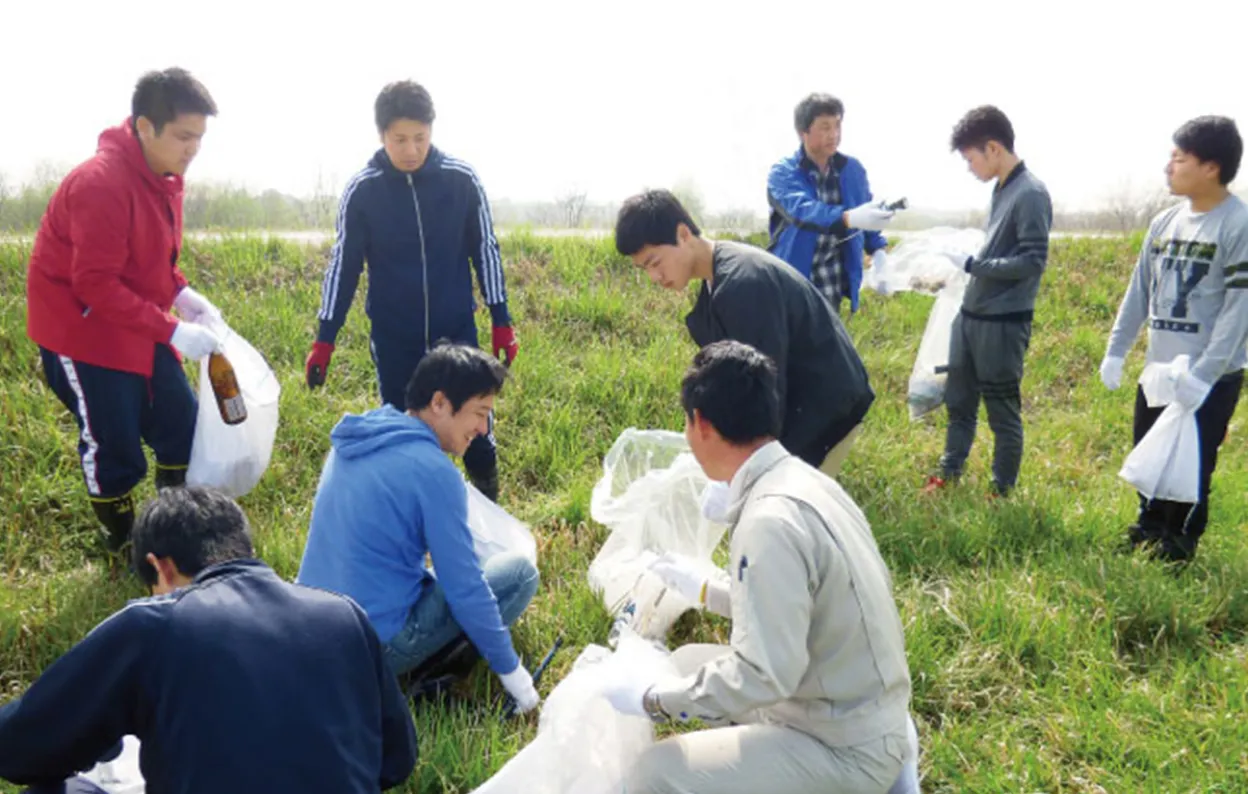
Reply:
x=1191 y=286
x=991 y=334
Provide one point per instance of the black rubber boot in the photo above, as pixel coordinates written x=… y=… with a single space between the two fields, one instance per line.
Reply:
x=487 y=483
x=170 y=477
x=117 y=516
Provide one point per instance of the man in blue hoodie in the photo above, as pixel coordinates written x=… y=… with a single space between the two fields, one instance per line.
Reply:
x=822 y=217
x=418 y=216
x=389 y=494
x=231 y=678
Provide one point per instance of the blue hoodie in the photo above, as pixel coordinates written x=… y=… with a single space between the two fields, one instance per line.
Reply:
x=388 y=494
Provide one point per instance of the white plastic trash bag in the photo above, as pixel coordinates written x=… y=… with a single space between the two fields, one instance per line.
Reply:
x=232 y=458
x=494 y=530
x=649 y=496
x=119 y=775
x=931 y=365
x=583 y=745
x=925 y=261
x=1166 y=462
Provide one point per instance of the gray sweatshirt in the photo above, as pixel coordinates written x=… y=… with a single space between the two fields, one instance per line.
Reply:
x=1191 y=284
x=1005 y=276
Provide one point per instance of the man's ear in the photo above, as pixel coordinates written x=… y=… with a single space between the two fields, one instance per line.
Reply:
x=682 y=233
x=167 y=573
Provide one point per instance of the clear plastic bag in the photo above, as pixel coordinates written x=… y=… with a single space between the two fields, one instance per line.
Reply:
x=927 y=379
x=233 y=458
x=925 y=261
x=583 y=745
x=649 y=496
x=1166 y=462
x=119 y=775
x=494 y=530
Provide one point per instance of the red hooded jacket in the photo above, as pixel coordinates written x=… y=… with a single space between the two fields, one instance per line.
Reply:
x=103 y=273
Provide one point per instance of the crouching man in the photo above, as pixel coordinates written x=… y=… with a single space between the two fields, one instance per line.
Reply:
x=231 y=678
x=389 y=495
x=813 y=692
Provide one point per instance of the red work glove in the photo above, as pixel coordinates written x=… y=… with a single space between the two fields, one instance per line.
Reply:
x=318 y=363
x=505 y=341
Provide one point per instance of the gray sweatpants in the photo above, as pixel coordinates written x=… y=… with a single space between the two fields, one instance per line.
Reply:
x=753 y=758
x=986 y=359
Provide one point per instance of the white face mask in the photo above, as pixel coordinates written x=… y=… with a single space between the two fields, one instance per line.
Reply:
x=715 y=502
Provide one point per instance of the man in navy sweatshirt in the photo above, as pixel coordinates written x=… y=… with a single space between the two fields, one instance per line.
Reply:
x=231 y=678
x=418 y=216
x=389 y=494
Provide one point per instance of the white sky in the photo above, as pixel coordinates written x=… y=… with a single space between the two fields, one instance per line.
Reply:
x=612 y=97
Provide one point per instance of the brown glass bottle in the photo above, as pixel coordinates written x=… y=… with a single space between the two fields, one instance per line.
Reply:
x=225 y=388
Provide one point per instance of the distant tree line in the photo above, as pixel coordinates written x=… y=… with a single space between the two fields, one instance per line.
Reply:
x=209 y=206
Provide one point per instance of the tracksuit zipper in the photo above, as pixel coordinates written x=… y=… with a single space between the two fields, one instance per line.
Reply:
x=424 y=263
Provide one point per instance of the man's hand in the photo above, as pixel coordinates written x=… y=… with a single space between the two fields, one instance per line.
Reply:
x=195 y=308
x=626 y=690
x=682 y=574
x=317 y=366
x=194 y=341
x=1111 y=372
x=869 y=217
x=505 y=342
x=1190 y=392
x=519 y=684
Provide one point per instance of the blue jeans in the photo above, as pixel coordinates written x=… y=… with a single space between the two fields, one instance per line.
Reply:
x=430 y=627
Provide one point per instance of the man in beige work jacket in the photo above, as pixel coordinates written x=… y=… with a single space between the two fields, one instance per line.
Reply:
x=813 y=692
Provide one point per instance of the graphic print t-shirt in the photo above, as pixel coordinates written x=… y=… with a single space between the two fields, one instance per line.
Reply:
x=1191 y=286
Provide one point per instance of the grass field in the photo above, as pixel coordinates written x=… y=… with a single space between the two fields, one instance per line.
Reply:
x=1043 y=660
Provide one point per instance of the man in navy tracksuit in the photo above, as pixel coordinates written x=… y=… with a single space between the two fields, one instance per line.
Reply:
x=231 y=678
x=418 y=216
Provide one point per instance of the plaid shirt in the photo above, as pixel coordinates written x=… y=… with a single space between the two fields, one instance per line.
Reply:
x=826 y=272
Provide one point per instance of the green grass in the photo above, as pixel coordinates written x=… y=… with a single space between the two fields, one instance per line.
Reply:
x=1042 y=659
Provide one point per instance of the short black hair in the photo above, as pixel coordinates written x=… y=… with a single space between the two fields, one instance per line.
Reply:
x=814 y=106
x=196 y=527
x=461 y=372
x=734 y=386
x=981 y=125
x=1213 y=139
x=650 y=218
x=405 y=99
x=160 y=97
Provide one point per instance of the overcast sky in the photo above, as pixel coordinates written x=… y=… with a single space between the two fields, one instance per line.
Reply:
x=542 y=98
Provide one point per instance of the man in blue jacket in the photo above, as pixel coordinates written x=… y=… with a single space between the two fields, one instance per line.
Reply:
x=822 y=216
x=389 y=494
x=418 y=216
x=231 y=678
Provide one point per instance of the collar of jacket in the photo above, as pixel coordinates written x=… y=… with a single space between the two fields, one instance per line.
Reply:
x=806 y=164
x=222 y=570
x=133 y=148
x=432 y=162
x=764 y=459
x=1015 y=174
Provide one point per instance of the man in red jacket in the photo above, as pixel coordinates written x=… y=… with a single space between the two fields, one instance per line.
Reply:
x=101 y=282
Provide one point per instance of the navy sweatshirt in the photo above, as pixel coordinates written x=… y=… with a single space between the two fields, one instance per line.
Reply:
x=240 y=682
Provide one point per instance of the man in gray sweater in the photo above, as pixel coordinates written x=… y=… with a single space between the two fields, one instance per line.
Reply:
x=993 y=331
x=1191 y=286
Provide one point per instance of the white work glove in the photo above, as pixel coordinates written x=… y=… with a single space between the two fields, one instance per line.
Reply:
x=1190 y=392
x=1111 y=372
x=683 y=574
x=519 y=684
x=870 y=217
x=194 y=341
x=625 y=690
x=715 y=501
x=195 y=308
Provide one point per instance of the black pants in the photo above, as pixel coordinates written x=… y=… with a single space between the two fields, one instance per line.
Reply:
x=1174 y=527
x=395 y=364
x=117 y=411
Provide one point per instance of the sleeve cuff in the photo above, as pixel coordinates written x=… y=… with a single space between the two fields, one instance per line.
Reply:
x=499 y=315
x=327 y=333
